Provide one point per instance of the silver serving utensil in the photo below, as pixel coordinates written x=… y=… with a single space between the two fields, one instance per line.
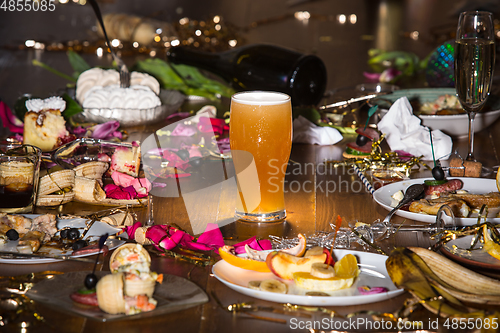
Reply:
x=124 y=73
x=17 y=255
x=412 y=192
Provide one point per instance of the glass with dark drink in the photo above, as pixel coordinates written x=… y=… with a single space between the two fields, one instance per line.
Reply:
x=19 y=173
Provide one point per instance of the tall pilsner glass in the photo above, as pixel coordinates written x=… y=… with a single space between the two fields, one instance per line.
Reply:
x=474 y=63
x=261 y=139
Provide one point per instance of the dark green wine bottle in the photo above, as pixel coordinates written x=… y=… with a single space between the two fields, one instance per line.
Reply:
x=262 y=67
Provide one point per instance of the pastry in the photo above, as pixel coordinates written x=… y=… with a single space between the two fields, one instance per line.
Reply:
x=44 y=126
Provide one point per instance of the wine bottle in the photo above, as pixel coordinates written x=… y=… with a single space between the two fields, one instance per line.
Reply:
x=262 y=67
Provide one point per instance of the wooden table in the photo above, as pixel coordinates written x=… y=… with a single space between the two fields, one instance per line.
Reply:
x=311 y=208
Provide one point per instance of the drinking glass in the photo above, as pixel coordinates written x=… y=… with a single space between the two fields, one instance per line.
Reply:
x=19 y=174
x=261 y=139
x=474 y=63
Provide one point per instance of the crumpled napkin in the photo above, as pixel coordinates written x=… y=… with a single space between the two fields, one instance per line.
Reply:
x=403 y=131
x=305 y=131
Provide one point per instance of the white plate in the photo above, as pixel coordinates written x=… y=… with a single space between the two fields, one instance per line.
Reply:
x=455 y=125
x=373 y=274
x=458 y=250
x=474 y=185
x=174 y=294
x=97 y=229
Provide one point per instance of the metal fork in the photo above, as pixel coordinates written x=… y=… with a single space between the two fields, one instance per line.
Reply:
x=124 y=73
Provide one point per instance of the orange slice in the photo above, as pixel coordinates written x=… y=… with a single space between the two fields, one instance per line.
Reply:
x=347 y=267
x=299 y=249
x=241 y=262
x=490 y=245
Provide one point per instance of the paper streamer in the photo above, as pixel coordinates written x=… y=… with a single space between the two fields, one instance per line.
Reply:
x=364 y=180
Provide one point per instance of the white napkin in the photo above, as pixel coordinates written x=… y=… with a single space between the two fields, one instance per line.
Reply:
x=305 y=131
x=403 y=131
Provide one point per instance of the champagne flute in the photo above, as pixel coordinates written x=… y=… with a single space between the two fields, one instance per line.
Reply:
x=474 y=63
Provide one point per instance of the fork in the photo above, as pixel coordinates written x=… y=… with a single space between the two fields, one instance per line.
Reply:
x=123 y=70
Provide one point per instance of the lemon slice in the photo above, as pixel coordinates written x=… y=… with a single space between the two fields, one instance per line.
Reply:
x=498 y=179
x=490 y=245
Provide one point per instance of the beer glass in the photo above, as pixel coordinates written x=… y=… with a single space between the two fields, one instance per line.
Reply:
x=261 y=140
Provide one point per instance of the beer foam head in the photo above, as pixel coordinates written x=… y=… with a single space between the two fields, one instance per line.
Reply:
x=261 y=98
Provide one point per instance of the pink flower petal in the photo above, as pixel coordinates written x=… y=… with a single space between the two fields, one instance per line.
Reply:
x=216 y=125
x=122 y=179
x=105 y=130
x=131 y=191
x=117 y=192
x=365 y=290
x=212 y=237
x=79 y=130
x=130 y=230
x=255 y=244
x=184 y=130
x=9 y=120
x=372 y=77
x=142 y=183
x=179 y=115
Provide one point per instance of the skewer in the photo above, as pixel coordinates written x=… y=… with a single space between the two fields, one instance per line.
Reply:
x=350 y=101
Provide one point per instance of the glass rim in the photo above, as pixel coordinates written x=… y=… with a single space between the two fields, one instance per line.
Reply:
x=261 y=97
x=36 y=150
x=478 y=12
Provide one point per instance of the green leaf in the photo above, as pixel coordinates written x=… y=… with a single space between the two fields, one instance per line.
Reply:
x=20 y=107
x=371 y=112
x=72 y=107
x=53 y=70
x=163 y=73
x=309 y=113
x=193 y=77
x=77 y=62
x=187 y=79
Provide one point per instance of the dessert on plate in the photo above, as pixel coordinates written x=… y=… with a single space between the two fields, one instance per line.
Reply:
x=44 y=126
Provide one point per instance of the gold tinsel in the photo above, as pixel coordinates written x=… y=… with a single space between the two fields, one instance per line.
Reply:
x=380 y=160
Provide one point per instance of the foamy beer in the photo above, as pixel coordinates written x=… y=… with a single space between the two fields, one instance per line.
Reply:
x=261 y=140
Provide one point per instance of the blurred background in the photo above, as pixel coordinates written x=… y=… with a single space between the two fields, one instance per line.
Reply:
x=341 y=33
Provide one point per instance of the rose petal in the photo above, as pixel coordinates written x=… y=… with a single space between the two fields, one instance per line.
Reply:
x=261 y=245
x=117 y=192
x=105 y=130
x=372 y=77
x=212 y=237
x=183 y=130
x=9 y=120
x=179 y=114
x=216 y=125
x=122 y=179
x=130 y=230
x=365 y=290
x=131 y=191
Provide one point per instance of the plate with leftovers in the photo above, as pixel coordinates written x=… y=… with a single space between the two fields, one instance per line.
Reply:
x=458 y=250
x=372 y=274
x=173 y=294
x=40 y=234
x=474 y=191
x=439 y=108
